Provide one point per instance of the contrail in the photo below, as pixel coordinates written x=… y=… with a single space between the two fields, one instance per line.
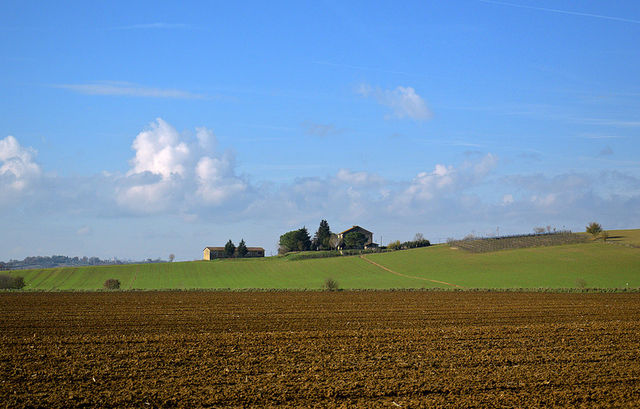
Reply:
x=573 y=13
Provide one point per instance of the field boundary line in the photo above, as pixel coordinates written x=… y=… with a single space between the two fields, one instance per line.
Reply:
x=407 y=275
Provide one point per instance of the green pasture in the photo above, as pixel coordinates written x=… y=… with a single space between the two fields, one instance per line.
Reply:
x=592 y=265
x=631 y=237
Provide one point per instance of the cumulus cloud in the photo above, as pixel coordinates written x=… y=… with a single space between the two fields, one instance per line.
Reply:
x=216 y=181
x=159 y=150
x=170 y=172
x=404 y=101
x=17 y=166
x=445 y=179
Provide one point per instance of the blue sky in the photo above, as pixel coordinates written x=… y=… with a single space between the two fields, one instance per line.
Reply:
x=139 y=129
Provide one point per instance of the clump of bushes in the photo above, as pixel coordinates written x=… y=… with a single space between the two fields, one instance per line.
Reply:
x=112 y=284
x=8 y=282
x=331 y=285
x=397 y=245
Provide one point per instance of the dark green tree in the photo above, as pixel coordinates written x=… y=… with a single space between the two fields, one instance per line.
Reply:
x=295 y=240
x=322 y=236
x=354 y=240
x=229 y=249
x=242 y=249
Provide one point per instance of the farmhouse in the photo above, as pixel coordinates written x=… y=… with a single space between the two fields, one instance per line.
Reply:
x=357 y=229
x=211 y=253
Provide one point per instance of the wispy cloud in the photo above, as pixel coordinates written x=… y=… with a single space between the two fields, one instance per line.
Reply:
x=597 y=136
x=156 y=26
x=404 y=101
x=610 y=122
x=316 y=129
x=127 y=89
x=569 y=12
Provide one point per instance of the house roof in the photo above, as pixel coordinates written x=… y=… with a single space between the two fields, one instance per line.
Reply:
x=222 y=248
x=354 y=228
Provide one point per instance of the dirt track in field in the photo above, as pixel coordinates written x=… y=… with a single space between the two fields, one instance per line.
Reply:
x=408 y=276
x=344 y=349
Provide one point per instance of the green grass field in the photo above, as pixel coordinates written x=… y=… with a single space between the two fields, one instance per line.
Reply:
x=592 y=265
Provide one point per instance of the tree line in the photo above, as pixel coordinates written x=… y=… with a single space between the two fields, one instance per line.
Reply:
x=64 y=261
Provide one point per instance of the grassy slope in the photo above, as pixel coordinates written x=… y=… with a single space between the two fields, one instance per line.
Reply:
x=625 y=236
x=599 y=265
x=351 y=272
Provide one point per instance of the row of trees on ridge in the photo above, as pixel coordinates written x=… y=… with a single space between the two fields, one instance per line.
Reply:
x=300 y=240
x=230 y=249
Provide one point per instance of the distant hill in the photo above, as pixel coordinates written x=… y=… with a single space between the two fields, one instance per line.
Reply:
x=593 y=264
x=38 y=262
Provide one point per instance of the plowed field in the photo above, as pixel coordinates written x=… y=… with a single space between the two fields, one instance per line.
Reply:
x=312 y=349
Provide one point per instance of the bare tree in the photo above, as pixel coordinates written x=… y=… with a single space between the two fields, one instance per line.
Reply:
x=418 y=237
x=172 y=257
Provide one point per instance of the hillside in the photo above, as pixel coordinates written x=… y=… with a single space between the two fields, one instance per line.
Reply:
x=591 y=264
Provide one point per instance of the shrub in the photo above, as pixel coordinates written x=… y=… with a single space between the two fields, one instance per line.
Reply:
x=331 y=285
x=112 y=284
x=8 y=282
x=395 y=245
x=594 y=229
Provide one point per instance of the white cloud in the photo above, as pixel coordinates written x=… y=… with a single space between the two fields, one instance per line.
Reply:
x=17 y=167
x=404 y=101
x=160 y=150
x=216 y=181
x=118 y=88
x=358 y=178
x=169 y=172
x=426 y=184
x=206 y=139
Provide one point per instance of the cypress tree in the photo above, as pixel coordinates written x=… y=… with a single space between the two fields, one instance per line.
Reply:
x=242 y=249
x=229 y=249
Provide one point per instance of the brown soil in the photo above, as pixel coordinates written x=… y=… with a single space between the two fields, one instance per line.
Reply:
x=333 y=349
